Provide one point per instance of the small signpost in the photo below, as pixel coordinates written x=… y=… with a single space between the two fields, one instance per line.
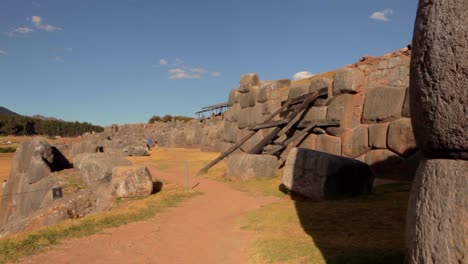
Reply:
x=57 y=193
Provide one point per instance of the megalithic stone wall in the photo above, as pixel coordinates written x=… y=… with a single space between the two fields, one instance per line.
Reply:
x=369 y=97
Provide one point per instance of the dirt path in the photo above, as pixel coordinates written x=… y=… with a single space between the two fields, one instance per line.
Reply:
x=201 y=230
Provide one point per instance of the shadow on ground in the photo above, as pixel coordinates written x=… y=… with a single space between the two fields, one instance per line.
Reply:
x=157 y=187
x=365 y=229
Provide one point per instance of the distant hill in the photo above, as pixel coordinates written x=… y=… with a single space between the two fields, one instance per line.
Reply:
x=6 y=111
x=41 y=117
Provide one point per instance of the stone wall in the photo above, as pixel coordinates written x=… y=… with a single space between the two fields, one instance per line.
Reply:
x=370 y=98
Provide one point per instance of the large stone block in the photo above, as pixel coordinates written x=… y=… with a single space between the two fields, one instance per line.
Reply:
x=406 y=106
x=383 y=104
x=401 y=138
x=245 y=117
x=328 y=144
x=439 y=78
x=347 y=80
x=316 y=112
x=248 y=166
x=322 y=84
x=233 y=97
x=378 y=135
x=321 y=176
x=246 y=100
x=309 y=142
x=230 y=131
x=355 y=142
x=437 y=214
x=265 y=93
x=348 y=109
x=299 y=89
x=131 y=181
x=247 y=81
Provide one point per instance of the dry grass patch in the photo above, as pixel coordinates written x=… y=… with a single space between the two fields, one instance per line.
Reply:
x=362 y=230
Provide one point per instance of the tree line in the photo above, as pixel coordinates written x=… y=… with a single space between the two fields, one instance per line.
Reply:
x=168 y=118
x=27 y=126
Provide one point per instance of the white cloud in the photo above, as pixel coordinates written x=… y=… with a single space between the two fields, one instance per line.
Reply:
x=302 y=75
x=2 y=52
x=198 y=70
x=58 y=59
x=216 y=73
x=179 y=73
x=23 y=30
x=163 y=62
x=39 y=23
x=178 y=62
x=382 y=15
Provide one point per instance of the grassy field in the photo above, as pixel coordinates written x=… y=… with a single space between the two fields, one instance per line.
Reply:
x=368 y=229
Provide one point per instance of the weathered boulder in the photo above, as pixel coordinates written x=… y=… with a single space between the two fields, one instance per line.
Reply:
x=355 y=142
x=30 y=175
x=439 y=78
x=437 y=213
x=383 y=104
x=401 y=138
x=248 y=166
x=247 y=81
x=85 y=146
x=97 y=168
x=73 y=206
x=347 y=80
x=139 y=151
x=321 y=176
x=378 y=135
x=131 y=181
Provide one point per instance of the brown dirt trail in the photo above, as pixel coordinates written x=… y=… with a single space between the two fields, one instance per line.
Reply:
x=201 y=230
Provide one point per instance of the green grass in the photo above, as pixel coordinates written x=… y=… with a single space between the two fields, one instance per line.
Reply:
x=369 y=229
x=22 y=245
x=7 y=150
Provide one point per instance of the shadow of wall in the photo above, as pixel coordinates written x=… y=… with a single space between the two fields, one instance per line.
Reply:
x=365 y=229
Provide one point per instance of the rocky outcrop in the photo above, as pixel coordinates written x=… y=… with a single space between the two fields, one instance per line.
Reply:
x=131 y=181
x=438 y=96
x=321 y=176
x=29 y=184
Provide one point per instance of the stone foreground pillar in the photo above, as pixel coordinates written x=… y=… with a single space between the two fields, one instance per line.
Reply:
x=437 y=218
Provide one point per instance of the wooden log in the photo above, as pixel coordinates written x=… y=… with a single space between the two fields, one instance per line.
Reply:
x=326 y=122
x=271 y=124
x=242 y=141
x=296 y=136
x=294 y=117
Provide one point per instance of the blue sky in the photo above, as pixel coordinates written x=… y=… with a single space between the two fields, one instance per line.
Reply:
x=122 y=61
